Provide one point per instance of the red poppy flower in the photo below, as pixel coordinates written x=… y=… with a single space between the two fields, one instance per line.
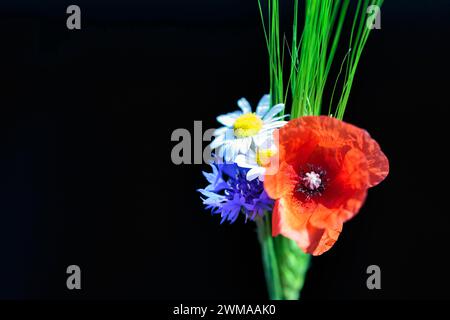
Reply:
x=325 y=169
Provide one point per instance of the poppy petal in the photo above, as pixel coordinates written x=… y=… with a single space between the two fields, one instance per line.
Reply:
x=289 y=225
x=325 y=218
x=378 y=164
x=283 y=182
x=321 y=240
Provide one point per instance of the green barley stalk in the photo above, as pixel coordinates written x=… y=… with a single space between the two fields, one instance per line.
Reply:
x=272 y=37
x=311 y=61
x=311 y=58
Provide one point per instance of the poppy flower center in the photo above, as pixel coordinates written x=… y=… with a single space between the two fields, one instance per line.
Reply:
x=247 y=125
x=312 y=181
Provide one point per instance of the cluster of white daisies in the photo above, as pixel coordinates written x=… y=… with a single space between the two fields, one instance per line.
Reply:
x=246 y=137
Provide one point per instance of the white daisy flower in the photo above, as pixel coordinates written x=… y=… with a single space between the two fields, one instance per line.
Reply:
x=243 y=129
x=257 y=160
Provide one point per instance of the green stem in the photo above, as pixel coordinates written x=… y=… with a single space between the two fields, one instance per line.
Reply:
x=270 y=262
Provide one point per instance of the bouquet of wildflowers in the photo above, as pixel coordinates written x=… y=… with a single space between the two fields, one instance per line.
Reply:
x=299 y=175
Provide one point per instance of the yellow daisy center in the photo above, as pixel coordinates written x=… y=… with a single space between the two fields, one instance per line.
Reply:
x=263 y=156
x=247 y=125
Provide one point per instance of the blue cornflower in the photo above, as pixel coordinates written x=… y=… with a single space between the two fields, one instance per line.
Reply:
x=230 y=193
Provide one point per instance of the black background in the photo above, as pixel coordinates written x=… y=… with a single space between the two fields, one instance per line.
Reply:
x=86 y=176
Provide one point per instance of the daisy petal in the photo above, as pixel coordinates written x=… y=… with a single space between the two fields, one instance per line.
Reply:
x=245 y=162
x=264 y=138
x=244 y=105
x=220 y=131
x=232 y=149
x=216 y=142
x=245 y=144
x=263 y=106
x=254 y=173
x=229 y=118
x=280 y=117
x=274 y=125
x=276 y=109
x=220 y=152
